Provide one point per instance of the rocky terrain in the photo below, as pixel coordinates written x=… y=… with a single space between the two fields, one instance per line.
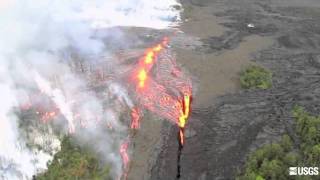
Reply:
x=228 y=123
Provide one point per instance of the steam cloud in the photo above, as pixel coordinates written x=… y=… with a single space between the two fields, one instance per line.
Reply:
x=35 y=37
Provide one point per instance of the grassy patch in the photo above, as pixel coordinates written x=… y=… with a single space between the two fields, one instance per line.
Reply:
x=272 y=161
x=256 y=77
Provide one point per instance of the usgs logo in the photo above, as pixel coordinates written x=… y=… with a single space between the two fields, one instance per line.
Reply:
x=300 y=171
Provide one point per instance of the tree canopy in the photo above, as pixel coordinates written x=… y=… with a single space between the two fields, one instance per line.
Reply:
x=272 y=161
x=74 y=163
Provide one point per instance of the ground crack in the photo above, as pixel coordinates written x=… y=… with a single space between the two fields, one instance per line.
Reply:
x=179 y=156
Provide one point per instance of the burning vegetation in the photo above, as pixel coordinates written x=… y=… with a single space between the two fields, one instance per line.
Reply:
x=154 y=83
x=71 y=67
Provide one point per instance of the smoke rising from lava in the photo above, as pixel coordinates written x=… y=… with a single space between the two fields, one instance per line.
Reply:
x=34 y=58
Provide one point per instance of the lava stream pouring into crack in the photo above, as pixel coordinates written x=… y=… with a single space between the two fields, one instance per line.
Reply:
x=184 y=116
x=161 y=87
x=183 y=119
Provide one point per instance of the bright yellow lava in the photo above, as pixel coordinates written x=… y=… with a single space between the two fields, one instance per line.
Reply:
x=149 y=57
x=142 y=76
x=184 y=115
x=157 y=48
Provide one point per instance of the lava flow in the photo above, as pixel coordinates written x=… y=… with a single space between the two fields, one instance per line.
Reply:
x=161 y=87
x=184 y=117
x=156 y=83
x=182 y=123
x=125 y=158
x=135 y=118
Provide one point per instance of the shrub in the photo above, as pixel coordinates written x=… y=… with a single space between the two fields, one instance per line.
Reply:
x=256 y=77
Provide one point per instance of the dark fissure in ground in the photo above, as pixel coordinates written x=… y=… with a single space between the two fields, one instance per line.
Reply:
x=180 y=147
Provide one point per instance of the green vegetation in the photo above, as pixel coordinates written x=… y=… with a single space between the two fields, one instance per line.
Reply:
x=272 y=161
x=256 y=77
x=74 y=163
x=308 y=129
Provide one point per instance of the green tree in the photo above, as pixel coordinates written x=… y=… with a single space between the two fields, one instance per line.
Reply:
x=272 y=169
x=286 y=143
x=291 y=159
x=314 y=156
x=272 y=161
x=74 y=163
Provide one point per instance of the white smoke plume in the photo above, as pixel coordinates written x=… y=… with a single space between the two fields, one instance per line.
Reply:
x=34 y=36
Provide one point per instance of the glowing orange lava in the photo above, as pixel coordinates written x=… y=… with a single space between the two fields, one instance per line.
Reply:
x=156 y=94
x=144 y=86
x=181 y=133
x=184 y=116
x=149 y=57
x=125 y=158
x=135 y=118
x=142 y=76
x=147 y=62
x=158 y=85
